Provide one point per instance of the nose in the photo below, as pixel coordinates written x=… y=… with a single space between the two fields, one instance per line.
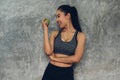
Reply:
x=57 y=20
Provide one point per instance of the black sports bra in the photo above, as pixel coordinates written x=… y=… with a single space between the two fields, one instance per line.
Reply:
x=67 y=48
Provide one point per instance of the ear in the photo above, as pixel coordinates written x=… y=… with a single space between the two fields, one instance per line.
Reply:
x=68 y=15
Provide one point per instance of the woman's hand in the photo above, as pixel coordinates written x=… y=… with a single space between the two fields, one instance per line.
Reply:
x=52 y=57
x=44 y=24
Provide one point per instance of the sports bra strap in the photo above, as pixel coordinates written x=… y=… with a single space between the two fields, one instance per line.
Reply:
x=76 y=36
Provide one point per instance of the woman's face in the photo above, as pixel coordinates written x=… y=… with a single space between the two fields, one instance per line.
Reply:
x=61 y=19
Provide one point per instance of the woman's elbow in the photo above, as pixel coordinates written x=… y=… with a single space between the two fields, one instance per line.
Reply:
x=76 y=60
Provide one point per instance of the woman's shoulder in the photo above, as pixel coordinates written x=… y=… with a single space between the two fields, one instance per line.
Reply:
x=54 y=33
x=81 y=35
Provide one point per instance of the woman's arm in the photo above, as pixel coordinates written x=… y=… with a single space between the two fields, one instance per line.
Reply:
x=48 y=43
x=47 y=47
x=81 y=38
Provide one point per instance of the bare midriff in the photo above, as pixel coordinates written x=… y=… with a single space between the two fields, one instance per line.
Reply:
x=60 y=64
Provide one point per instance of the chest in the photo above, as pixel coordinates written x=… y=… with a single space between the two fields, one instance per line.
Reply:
x=66 y=37
x=67 y=48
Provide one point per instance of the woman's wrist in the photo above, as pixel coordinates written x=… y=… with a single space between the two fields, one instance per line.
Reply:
x=45 y=29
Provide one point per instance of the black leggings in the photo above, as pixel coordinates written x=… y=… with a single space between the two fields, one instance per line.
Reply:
x=53 y=72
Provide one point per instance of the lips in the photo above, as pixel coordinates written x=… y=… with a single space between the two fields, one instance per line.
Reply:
x=59 y=23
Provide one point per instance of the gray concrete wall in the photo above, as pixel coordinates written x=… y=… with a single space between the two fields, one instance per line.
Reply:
x=21 y=38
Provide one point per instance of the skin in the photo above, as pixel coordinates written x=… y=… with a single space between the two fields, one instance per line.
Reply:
x=62 y=60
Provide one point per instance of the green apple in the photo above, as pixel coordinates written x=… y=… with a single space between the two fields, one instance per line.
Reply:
x=47 y=21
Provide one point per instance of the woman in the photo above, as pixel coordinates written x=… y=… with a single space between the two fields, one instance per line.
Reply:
x=65 y=47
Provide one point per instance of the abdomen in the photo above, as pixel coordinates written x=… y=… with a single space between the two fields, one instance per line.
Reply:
x=60 y=64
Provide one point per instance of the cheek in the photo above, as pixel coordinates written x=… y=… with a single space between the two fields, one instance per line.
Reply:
x=64 y=22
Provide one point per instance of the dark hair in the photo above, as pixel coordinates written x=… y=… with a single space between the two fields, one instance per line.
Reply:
x=74 y=15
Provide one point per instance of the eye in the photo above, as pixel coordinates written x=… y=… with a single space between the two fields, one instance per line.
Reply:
x=57 y=16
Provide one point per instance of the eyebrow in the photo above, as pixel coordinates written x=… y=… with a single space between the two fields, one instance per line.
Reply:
x=57 y=14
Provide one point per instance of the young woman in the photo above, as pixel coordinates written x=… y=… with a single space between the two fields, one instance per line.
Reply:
x=65 y=46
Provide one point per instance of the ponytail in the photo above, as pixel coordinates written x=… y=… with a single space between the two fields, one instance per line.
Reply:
x=75 y=19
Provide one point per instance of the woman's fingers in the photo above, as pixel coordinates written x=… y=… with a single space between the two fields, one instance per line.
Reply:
x=44 y=23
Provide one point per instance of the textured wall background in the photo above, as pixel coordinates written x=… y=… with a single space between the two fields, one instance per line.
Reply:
x=21 y=38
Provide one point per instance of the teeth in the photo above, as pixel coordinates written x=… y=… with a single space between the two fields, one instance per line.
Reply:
x=58 y=23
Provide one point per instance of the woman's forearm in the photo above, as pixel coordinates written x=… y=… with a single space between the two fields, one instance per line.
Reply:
x=67 y=59
x=47 y=47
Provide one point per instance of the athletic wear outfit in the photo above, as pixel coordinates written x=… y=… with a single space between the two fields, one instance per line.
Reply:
x=54 y=72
